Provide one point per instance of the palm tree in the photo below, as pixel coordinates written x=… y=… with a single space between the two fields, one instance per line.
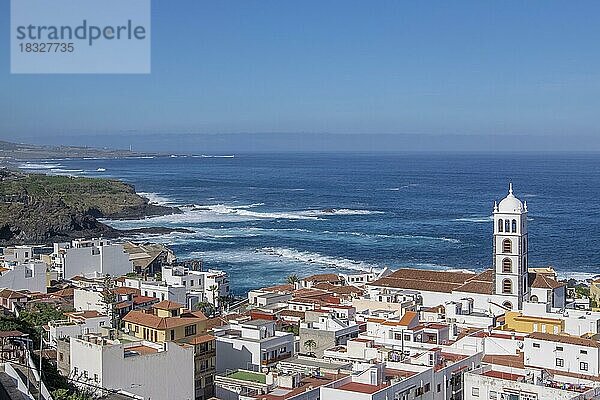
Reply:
x=310 y=345
x=293 y=279
x=213 y=289
x=207 y=308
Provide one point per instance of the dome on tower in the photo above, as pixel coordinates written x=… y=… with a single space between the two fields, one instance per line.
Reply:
x=510 y=204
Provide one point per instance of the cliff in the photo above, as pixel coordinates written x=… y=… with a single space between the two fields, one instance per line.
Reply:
x=37 y=208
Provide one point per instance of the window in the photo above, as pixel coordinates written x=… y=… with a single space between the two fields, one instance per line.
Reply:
x=514 y=226
x=583 y=366
x=493 y=395
x=560 y=362
x=559 y=348
x=506 y=266
x=427 y=387
x=508 y=305
x=507 y=246
x=533 y=299
x=536 y=345
x=582 y=351
x=507 y=286
x=500 y=227
x=60 y=356
x=439 y=387
x=192 y=282
x=475 y=392
x=172 y=334
x=507 y=225
x=190 y=330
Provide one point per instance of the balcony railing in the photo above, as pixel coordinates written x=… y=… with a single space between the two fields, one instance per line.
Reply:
x=276 y=359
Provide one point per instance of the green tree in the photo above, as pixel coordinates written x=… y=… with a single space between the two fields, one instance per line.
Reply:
x=207 y=308
x=310 y=346
x=292 y=279
x=109 y=299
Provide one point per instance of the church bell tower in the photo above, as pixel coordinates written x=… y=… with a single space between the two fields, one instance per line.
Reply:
x=510 y=251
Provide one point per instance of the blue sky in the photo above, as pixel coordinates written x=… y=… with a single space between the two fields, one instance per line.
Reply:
x=394 y=67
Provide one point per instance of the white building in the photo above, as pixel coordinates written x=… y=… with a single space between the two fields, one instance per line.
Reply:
x=325 y=332
x=434 y=374
x=265 y=298
x=163 y=291
x=490 y=382
x=251 y=345
x=77 y=324
x=145 y=369
x=91 y=258
x=207 y=286
x=18 y=254
x=31 y=276
x=562 y=354
x=89 y=299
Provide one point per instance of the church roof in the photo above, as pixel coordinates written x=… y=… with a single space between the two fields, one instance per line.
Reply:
x=439 y=281
x=542 y=281
x=482 y=283
x=425 y=280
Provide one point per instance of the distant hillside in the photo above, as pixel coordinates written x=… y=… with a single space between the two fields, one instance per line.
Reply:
x=38 y=208
x=22 y=151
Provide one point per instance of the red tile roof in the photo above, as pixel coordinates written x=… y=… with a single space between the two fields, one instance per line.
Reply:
x=407 y=318
x=168 y=305
x=156 y=322
x=542 y=281
x=566 y=339
x=361 y=388
x=322 y=278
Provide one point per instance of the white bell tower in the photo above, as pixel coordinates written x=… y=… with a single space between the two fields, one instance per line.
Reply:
x=510 y=251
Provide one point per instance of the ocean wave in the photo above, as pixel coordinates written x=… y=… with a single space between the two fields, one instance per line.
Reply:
x=345 y=211
x=577 y=275
x=316 y=258
x=213 y=156
x=39 y=166
x=156 y=198
x=475 y=219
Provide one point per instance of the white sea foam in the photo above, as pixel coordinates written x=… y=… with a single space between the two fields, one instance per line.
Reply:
x=316 y=258
x=156 y=198
x=101 y=170
x=213 y=156
x=39 y=166
x=577 y=275
x=475 y=219
x=345 y=211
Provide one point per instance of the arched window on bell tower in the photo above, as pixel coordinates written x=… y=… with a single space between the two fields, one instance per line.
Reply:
x=507 y=286
x=500 y=225
x=506 y=266
x=514 y=226
x=507 y=246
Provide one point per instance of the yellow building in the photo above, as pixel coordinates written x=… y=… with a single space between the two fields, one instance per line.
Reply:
x=517 y=322
x=171 y=322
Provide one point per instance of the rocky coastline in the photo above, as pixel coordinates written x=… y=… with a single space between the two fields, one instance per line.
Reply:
x=41 y=209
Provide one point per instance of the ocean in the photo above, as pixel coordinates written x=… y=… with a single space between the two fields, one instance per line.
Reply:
x=262 y=217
